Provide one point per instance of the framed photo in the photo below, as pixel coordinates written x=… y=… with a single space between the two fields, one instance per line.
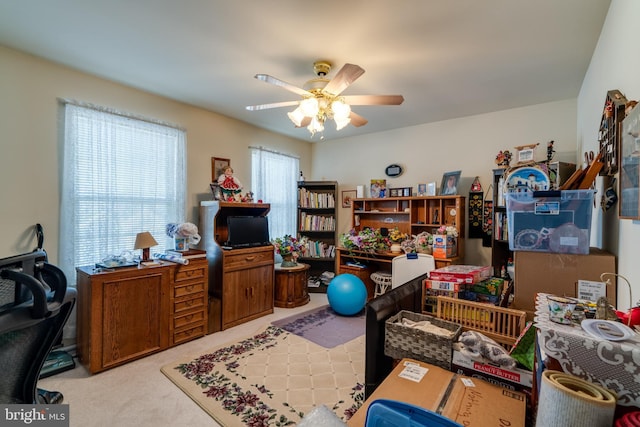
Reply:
x=218 y=164
x=449 y=185
x=431 y=188
x=378 y=188
x=347 y=197
x=216 y=192
x=422 y=189
x=629 y=205
x=525 y=155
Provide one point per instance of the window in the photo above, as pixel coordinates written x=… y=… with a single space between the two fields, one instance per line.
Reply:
x=274 y=180
x=121 y=175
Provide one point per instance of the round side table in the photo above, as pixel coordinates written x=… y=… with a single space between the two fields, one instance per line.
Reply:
x=291 y=286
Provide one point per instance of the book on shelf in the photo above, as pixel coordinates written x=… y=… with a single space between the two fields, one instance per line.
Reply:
x=188 y=254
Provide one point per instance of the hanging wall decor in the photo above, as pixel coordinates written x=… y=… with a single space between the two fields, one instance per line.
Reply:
x=476 y=197
x=609 y=133
x=487 y=219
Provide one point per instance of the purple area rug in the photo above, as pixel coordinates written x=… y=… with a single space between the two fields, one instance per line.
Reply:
x=324 y=326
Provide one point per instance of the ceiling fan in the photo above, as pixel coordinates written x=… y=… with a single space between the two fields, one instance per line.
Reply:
x=321 y=99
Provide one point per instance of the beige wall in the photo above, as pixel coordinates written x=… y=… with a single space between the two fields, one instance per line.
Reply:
x=614 y=65
x=469 y=144
x=31 y=149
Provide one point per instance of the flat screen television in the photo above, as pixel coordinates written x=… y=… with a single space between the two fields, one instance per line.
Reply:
x=247 y=231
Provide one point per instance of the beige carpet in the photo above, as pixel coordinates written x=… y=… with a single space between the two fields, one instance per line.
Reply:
x=272 y=378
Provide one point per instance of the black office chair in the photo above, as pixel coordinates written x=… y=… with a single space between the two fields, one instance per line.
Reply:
x=34 y=306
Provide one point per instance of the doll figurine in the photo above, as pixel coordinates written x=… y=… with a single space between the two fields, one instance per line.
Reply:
x=230 y=185
x=229 y=182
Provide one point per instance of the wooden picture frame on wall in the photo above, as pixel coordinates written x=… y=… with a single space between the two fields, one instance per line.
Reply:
x=347 y=197
x=218 y=165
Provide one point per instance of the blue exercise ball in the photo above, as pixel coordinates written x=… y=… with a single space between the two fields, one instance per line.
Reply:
x=347 y=294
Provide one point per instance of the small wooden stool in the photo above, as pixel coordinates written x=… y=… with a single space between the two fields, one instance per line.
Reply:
x=382 y=279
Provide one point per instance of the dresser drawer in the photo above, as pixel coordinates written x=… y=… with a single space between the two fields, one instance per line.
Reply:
x=189 y=302
x=190 y=271
x=194 y=319
x=247 y=259
x=188 y=334
x=181 y=290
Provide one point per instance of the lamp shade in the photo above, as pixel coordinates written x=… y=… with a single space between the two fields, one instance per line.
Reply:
x=144 y=240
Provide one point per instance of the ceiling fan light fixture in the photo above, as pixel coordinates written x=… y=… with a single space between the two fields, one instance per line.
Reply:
x=296 y=116
x=315 y=126
x=309 y=107
x=341 y=110
x=341 y=122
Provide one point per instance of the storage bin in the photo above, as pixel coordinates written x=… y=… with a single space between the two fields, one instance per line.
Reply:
x=402 y=341
x=550 y=221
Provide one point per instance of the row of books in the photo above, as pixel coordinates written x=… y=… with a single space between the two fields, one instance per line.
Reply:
x=319 y=249
x=500 y=226
x=309 y=199
x=316 y=222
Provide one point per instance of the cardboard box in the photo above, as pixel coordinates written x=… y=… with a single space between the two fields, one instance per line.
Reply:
x=513 y=379
x=465 y=400
x=461 y=273
x=444 y=246
x=554 y=221
x=558 y=274
x=443 y=285
x=491 y=286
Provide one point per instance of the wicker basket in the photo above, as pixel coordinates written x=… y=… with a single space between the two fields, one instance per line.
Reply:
x=402 y=341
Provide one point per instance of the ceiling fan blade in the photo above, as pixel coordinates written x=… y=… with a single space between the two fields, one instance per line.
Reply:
x=374 y=99
x=305 y=122
x=272 y=105
x=347 y=75
x=288 y=86
x=357 y=120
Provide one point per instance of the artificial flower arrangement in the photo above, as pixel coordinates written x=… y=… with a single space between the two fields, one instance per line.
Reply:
x=397 y=236
x=288 y=245
x=447 y=230
x=368 y=240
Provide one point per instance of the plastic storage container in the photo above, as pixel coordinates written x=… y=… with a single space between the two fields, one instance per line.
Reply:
x=550 y=221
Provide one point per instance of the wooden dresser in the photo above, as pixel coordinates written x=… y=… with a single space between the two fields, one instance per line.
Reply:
x=240 y=280
x=247 y=284
x=129 y=313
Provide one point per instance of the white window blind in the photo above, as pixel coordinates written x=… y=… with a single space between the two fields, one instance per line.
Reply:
x=121 y=176
x=274 y=180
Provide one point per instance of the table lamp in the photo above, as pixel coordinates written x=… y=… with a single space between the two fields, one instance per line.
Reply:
x=144 y=241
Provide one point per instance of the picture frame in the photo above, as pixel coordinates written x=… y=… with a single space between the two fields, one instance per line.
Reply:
x=431 y=188
x=216 y=192
x=422 y=190
x=347 y=197
x=378 y=189
x=218 y=165
x=629 y=194
x=449 y=185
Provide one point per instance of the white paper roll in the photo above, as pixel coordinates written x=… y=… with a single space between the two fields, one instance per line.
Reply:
x=569 y=401
x=171 y=258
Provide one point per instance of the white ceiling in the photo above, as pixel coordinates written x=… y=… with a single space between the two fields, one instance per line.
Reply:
x=448 y=58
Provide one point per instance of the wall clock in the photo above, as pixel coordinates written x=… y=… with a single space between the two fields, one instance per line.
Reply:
x=393 y=170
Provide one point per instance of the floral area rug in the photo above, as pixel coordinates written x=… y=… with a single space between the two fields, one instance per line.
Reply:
x=324 y=326
x=272 y=379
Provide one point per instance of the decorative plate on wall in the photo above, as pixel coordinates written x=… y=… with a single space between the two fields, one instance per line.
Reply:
x=526 y=179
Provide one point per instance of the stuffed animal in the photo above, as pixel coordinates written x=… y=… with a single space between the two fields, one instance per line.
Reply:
x=477 y=346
